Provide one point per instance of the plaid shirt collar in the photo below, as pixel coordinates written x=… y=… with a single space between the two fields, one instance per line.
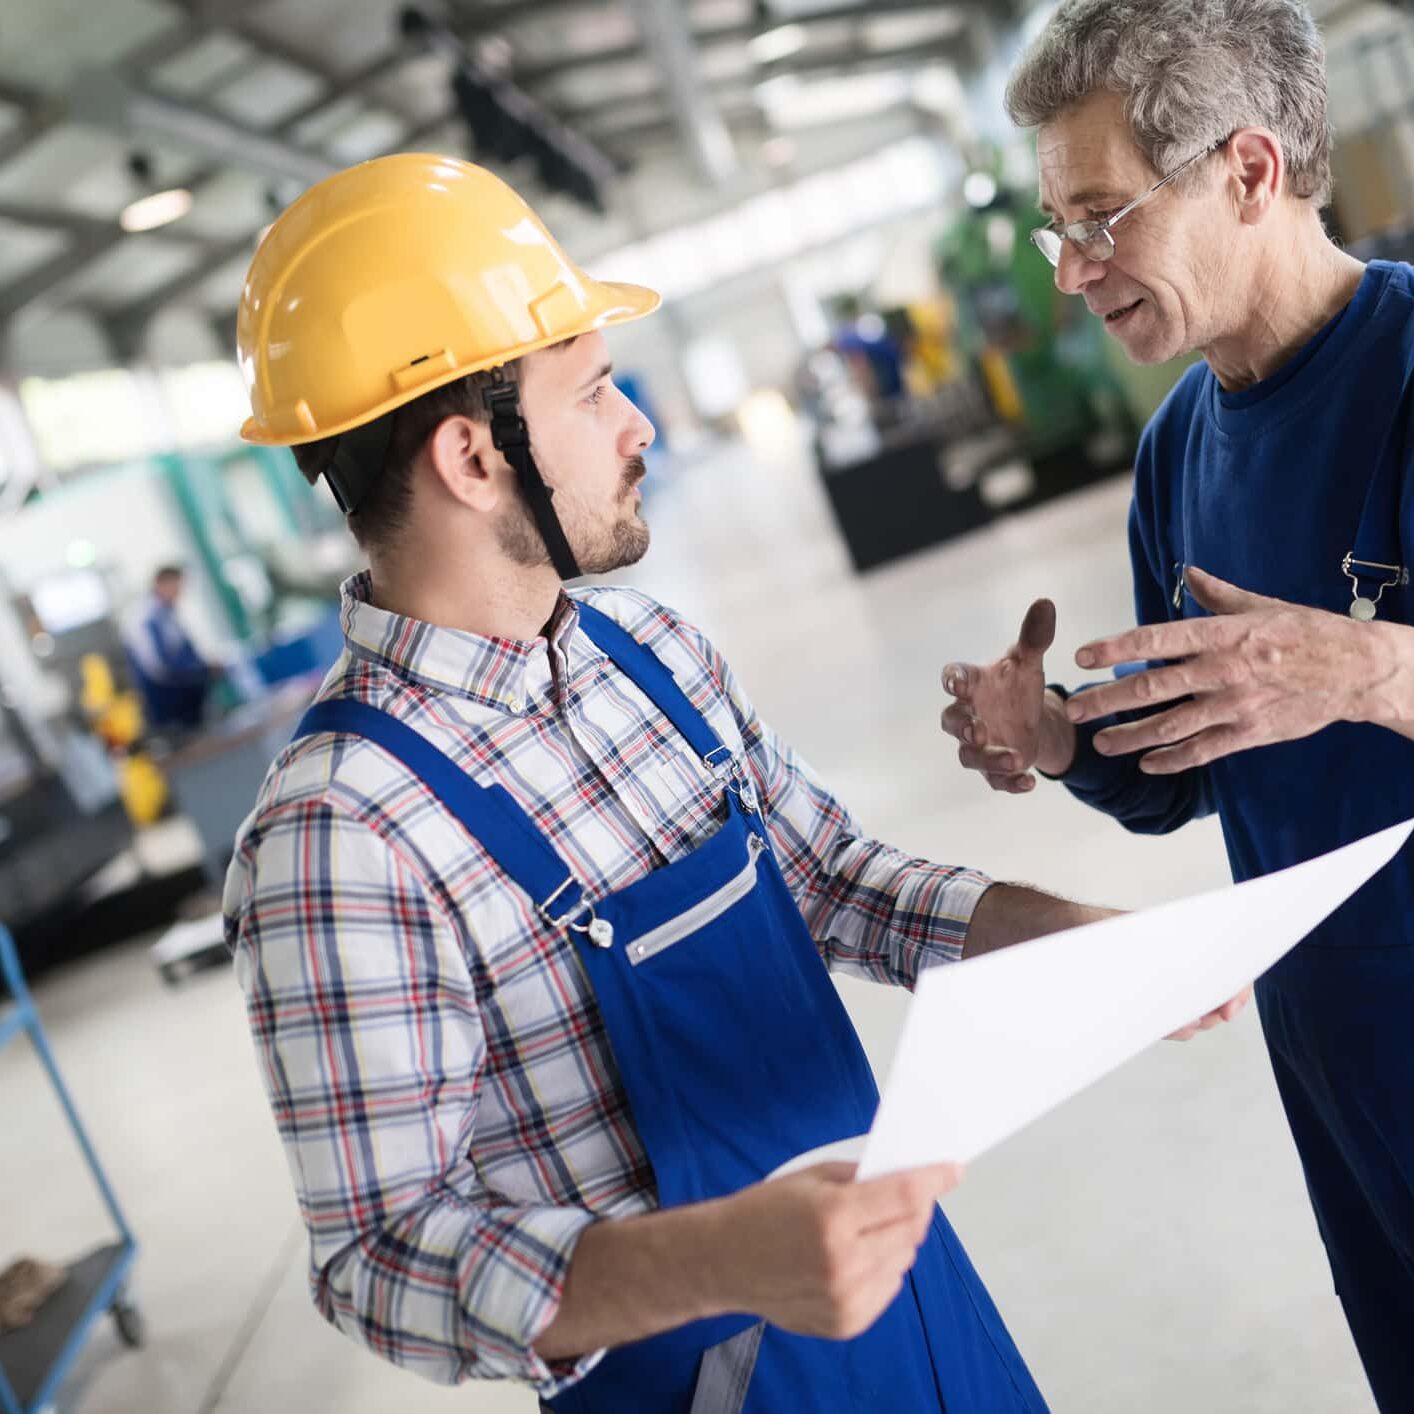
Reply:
x=506 y=673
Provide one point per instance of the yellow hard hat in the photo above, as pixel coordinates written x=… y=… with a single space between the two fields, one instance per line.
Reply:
x=394 y=277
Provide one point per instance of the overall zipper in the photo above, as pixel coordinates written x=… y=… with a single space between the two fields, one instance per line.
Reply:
x=697 y=917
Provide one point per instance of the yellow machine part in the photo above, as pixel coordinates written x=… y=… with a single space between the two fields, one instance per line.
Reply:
x=934 y=358
x=1006 y=398
x=99 y=689
x=143 y=789
x=115 y=716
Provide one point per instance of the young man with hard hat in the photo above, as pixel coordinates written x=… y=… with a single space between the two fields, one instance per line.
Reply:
x=531 y=915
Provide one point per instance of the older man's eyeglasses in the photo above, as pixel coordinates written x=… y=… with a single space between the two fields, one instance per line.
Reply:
x=1092 y=238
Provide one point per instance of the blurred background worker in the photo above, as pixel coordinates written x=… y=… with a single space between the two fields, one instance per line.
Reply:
x=174 y=678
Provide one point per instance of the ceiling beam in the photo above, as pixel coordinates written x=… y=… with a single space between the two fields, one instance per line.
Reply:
x=673 y=48
x=139 y=312
x=843 y=61
x=131 y=318
x=111 y=102
x=38 y=123
x=181 y=285
x=93 y=244
x=86 y=248
x=470 y=19
x=20 y=96
x=532 y=75
x=74 y=223
x=740 y=117
x=871 y=10
x=185 y=31
x=178 y=286
x=748 y=127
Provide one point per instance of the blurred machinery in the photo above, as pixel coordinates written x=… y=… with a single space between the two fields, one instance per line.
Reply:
x=1040 y=355
x=995 y=396
x=82 y=772
x=507 y=125
x=1372 y=211
x=62 y=818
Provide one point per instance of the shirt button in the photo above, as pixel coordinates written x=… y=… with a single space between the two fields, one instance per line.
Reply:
x=516 y=705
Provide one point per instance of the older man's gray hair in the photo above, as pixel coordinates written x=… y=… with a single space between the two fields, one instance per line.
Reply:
x=1190 y=72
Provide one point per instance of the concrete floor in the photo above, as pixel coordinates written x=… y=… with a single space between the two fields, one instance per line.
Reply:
x=1149 y=1243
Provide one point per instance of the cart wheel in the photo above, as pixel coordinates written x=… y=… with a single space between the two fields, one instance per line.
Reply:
x=128 y=1319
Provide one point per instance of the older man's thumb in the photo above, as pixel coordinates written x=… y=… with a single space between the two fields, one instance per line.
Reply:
x=1217 y=595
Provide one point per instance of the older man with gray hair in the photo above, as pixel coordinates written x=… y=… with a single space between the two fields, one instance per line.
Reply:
x=1184 y=157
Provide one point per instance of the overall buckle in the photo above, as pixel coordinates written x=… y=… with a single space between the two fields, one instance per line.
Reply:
x=599 y=931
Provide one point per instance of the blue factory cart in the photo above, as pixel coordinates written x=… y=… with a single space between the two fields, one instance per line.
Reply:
x=35 y=1358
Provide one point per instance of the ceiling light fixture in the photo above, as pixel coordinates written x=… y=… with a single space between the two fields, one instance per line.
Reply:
x=779 y=43
x=147 y=213
x=156 y=208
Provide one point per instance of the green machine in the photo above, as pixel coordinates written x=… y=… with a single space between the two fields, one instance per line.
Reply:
x=1041 y=355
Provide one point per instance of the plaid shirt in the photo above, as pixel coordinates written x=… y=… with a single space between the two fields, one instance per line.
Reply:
x=433 y=1053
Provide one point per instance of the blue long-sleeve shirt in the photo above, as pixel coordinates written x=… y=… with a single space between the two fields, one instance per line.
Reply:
x=1265 y=488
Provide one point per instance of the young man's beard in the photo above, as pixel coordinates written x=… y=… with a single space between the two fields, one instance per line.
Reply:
x=623 y=543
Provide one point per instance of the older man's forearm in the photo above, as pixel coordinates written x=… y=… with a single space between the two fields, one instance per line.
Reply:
x=1014 y=913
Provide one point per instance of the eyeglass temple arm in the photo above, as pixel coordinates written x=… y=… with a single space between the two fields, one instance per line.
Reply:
x=1160 y=185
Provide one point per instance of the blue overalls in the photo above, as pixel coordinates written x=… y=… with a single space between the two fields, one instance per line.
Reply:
x=736 y=1055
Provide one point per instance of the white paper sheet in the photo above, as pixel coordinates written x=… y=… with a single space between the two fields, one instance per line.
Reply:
x=990 y=1044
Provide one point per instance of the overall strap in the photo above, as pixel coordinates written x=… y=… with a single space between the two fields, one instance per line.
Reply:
x=488 y=813
x=656 y=683
x=1376 y=558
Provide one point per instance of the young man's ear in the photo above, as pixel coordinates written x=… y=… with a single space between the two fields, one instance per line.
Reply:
x=463 y=458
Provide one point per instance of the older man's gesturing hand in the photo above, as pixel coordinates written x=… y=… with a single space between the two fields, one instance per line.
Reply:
x=1259 y=671
x=1001 y=714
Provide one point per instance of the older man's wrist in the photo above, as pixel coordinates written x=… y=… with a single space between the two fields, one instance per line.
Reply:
x=1384 y=694
x=1058 y=736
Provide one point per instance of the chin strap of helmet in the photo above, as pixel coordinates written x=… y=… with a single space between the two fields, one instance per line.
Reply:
x=512 y=439
x=362 y=451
